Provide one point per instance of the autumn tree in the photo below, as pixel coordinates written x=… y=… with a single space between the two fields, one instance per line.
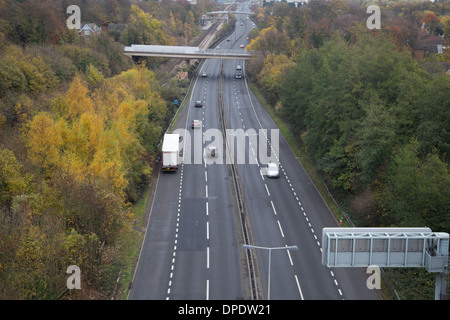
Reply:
x=12 y=181
x=142 y=28
x=270 y=40
x=270 y=76
x=432 y=22
x=79 y=127
x=44 y=140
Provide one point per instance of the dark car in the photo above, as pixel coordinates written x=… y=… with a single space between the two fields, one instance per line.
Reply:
x=198 y=103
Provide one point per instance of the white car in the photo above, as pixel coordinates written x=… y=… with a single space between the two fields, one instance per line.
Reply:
x=196 y=124
x=272 y=170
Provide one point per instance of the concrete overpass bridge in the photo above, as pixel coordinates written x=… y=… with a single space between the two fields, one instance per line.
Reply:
x=221 y=15
x=139 y=50
x=227 y=12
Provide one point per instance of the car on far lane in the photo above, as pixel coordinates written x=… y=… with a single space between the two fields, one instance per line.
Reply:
x=272 y=170
x=198 y=104
x=241 y=46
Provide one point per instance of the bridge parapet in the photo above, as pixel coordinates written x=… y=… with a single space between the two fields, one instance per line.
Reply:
x=185 y=52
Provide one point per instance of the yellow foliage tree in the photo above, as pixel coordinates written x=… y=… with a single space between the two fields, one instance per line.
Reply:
x=13 y=181
x=270 y=40
x=141 y=84
x=275 y=66
x=77 y=99
x=84 y=136
x=44 y=140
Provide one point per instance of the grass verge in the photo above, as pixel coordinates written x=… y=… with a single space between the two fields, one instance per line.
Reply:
x=131 y=244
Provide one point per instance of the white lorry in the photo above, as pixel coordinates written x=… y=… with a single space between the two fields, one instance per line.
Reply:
x=170 y=152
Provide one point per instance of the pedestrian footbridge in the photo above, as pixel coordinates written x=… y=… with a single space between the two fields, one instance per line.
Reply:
x=139 y=50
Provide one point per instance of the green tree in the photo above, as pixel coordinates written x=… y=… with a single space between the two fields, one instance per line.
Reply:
x=376 y=139
x=417 y=190
x=94 y=76
x=297 y=87
x=83 y=57
x=433 y=107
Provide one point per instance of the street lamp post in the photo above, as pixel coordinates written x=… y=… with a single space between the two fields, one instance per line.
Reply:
x=247 y=246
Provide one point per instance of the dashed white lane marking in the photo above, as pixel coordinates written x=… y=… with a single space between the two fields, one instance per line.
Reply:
x=292 y=189
x=281 y=230
x=267 y=189
x=273 y=207
x=299 y=289
x=172 y=266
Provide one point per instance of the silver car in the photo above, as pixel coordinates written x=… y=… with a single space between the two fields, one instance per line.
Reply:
x=272 y=170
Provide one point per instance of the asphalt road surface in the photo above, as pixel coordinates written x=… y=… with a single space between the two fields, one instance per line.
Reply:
x=193 y=246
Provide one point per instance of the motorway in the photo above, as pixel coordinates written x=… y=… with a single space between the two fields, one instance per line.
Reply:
x=193 y=244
